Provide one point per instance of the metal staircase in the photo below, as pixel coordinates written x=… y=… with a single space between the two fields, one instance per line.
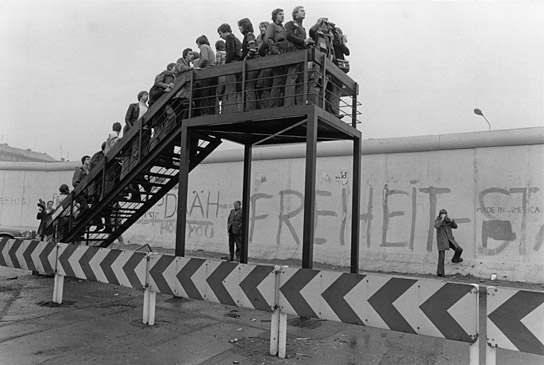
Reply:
x=141 y=168
x=145 y=164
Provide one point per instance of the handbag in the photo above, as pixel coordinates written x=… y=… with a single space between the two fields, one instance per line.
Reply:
x=343 y=65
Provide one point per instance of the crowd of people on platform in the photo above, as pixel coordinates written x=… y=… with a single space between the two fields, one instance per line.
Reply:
x=266 y=88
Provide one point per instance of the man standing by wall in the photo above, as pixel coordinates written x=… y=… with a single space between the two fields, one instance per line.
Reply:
x=234 y=228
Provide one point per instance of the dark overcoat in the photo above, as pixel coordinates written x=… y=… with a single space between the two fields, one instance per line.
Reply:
x=444 y=235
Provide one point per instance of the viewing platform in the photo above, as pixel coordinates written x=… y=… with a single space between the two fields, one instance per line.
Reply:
x=187 y=123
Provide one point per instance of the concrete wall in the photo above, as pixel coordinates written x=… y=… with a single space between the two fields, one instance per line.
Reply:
x=492 y=184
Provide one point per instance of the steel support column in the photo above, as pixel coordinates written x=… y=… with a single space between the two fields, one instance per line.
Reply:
x=183 y=189
x=309 y=192
x=355 y=205
x=246 y=197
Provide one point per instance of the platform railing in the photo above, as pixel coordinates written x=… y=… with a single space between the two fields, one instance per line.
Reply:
x=262 y=83
x=250 y=85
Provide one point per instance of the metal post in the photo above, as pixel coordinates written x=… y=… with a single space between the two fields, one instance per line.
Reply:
x=275 y=320
x=354 y=107
x=309 y=192
x=324 y=83
x=183 y=188
x=274 y=328
x=58 y=288
x=246 y=197
x=306 y=78
x=191 y=95
x=490 y=350
x=355 y=205
x=140 y=132
x=145 y=316
x=474 y=350
x=243 y=96
x=282 y=335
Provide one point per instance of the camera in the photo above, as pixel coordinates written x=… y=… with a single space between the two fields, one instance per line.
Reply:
x=330 y=24
x=41 y=204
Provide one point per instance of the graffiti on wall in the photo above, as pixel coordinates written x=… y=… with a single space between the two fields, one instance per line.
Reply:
x=203 y=209
x=498 y=209
x=498 y=204
x=14 y=201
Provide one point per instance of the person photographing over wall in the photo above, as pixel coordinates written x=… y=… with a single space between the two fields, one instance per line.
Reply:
x=445 y=240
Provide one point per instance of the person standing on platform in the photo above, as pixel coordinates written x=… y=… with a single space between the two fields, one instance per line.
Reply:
x=206 y=105
x=220 y=58
x=276 y=44
x=249 y=51
x=264 y=82
x=135 y=111
x=234 y=228
x=164 y=82
x=233 y=49
x=298 y=41
x=79 y=174
x=445 y=240
x=341 y=50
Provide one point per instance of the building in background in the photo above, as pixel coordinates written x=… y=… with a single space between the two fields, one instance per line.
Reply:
x=13 y=154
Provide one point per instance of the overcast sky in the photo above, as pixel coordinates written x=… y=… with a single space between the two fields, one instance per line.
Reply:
x=69 y=69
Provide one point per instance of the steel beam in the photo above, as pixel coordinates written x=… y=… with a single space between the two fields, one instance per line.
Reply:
x=309 y=192
x=246 y=197
x=183 y=188
x=355 y=206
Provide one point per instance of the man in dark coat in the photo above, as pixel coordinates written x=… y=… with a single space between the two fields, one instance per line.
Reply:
x=234 y=228
x=164 y=82
x=298 y=41
x=445 y=240
x=135 y=111
x=79 y=174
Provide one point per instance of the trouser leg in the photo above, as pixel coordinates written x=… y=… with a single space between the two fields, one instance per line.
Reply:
x=293 y=92
x=440 y=267
x=314 y=87
x=266 y=85
x=251 y=93
x=238 y=241
x=278 y=82
x=458 y=252
x=231 y=246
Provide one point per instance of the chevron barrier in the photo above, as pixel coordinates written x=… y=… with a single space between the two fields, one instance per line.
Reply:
x=30 y=255
x=515 y=321
x=425 y=307
x=111 y=266
x=241 y=285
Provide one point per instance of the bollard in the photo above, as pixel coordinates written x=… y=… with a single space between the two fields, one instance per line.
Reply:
x=145 y=318
x=276 y=316
x=274 y=331
x=282 y=335
x=58 y=288
x=474 y=349
x=150 y=299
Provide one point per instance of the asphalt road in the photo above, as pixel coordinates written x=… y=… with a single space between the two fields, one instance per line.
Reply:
x=102 y=324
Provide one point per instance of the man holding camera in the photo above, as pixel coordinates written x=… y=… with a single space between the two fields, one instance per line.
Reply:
x=445 y=240
x=43 y=212
x=321 y=34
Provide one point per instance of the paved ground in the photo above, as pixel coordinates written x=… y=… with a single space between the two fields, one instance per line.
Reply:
x=102 y=324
